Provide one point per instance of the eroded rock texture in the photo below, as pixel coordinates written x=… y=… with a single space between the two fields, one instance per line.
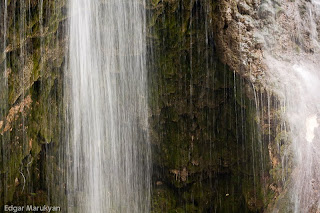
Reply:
x=32 y=45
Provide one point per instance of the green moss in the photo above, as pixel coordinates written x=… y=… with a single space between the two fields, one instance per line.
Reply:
x=40 y=56
x=203 y=123
x=163 y=201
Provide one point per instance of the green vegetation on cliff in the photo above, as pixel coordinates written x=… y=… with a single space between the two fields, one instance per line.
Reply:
x=31 y=116
x=208 y=153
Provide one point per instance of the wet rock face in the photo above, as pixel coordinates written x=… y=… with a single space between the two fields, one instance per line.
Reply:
x=290 y=38
x=284 y=33
x=206 y=147
x=237 y=43
x=289 y=28
x=32 y=53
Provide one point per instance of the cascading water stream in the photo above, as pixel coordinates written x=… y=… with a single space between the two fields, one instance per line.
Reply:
x=294 y=76
x=107 y=110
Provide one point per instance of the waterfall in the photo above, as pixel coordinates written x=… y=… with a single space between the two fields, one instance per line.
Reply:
x=294 y=75
x=108 y=148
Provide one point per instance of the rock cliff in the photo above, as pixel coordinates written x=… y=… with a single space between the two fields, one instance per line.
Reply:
x=33 y=43
x=216 y=126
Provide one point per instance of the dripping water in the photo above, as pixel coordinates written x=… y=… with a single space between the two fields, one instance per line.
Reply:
x=294 y=76
x=3 y=85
